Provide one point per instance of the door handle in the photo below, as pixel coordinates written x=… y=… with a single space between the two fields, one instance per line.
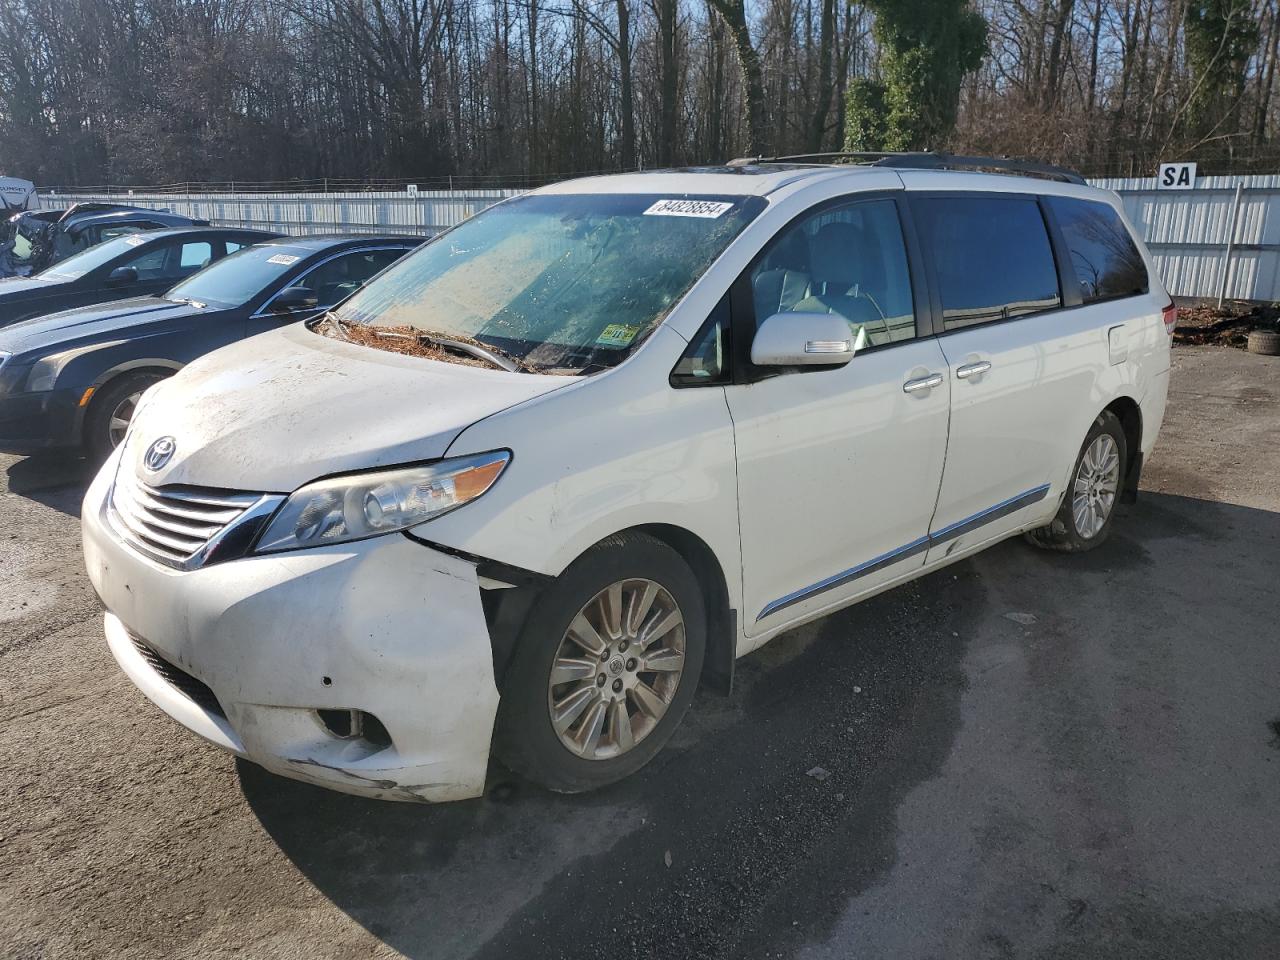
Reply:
x=923 y=383
x=965 y=371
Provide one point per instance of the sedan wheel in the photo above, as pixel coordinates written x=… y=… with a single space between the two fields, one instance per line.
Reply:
x=120 y=418
x=617 y=669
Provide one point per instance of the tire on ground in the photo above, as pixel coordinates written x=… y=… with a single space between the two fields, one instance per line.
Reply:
x=524 y=738
x=1265 y=342
x=1061 y=533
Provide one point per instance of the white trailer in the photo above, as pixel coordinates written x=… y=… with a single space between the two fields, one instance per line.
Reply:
x=17 y=194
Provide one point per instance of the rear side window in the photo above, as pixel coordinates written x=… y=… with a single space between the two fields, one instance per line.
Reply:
x=1106 y=262
x=195 y=256
x=991 y=255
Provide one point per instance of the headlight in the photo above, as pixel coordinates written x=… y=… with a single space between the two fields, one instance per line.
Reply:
x=44 y=373
x=363 y=505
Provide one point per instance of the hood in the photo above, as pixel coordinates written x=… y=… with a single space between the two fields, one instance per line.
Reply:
x=68 y=327
x=275 y=411
x=19 y=288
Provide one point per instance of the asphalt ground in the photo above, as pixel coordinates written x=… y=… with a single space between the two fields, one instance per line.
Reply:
x=1026 y=755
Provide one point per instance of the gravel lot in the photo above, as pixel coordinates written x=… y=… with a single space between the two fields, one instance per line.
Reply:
x=1101 y=781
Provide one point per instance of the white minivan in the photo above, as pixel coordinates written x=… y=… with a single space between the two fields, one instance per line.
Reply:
x=537 y=481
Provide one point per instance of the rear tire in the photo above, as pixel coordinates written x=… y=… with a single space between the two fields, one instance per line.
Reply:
x=1084 y=520
x=111 y=412
x=603 y=621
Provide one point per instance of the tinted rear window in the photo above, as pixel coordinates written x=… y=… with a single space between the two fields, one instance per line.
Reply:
x=992 y=257
x=1106 y=261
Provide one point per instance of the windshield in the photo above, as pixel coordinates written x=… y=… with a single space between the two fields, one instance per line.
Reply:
x=236 y=279
x=77 y=265
x=559 y=282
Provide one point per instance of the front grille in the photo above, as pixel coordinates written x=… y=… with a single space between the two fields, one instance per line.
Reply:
x=184 y=682
x=173 y=524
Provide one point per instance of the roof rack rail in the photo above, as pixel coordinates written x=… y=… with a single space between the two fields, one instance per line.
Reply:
x=923 y=160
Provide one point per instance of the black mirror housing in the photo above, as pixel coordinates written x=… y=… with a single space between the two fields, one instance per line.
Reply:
x=122 y=275
x=293 y=298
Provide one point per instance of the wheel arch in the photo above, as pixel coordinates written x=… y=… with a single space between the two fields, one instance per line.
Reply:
x=506 y=609
x=163 y=367
x=722 y=619
x=1126 y=410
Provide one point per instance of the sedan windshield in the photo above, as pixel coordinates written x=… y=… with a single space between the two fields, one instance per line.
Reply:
x=236 y=279
x=76 y=266
x=557 y=282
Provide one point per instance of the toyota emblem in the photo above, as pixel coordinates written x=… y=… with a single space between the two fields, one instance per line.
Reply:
x=159 y=453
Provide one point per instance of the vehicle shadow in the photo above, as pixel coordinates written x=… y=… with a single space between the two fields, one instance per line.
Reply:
x=770 y=810
x=57 y=480
x=822 y=737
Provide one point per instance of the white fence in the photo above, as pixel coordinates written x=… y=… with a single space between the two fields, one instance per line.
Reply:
x=1220 y=239
x=306 y=214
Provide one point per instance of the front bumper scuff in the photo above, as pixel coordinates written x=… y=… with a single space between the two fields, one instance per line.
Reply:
x=385 y=625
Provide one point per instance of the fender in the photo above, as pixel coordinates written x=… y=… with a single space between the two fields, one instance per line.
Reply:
x=128 y=366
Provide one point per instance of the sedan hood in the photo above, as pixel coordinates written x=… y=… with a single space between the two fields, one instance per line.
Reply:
x=273 y=412
x=68 y=327
x=20 y=288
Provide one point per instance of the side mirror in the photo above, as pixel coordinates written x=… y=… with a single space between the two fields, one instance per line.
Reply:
x=805 y=340
x=122 y=275
x=293 y=298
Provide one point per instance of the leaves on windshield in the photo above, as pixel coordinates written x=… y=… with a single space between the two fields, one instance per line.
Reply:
x=408 y=341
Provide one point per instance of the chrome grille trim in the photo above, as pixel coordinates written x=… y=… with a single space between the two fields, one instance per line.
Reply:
x=180 y=526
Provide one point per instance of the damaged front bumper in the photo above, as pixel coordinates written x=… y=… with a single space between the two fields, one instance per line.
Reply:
x=254 y=654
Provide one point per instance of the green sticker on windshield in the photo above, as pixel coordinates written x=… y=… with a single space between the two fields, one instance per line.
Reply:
x=617 y=335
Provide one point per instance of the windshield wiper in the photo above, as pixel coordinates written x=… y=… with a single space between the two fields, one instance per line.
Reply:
x=495 y=355
x=505 y=359
x=198 y=304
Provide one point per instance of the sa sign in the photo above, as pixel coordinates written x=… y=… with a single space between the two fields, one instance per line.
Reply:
x=1176 y=176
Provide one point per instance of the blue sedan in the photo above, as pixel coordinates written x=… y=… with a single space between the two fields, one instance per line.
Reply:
x=73 y=379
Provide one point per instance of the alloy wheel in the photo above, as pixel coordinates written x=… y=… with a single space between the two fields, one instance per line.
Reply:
x=617 y=669
x=118 y=423
x=1096 y=484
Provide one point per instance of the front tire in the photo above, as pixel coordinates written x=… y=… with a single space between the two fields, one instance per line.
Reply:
x=606 y=667
x=111 y=412
x=1083 y=522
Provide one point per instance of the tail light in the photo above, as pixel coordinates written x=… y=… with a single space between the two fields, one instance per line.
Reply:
x=1170 y=318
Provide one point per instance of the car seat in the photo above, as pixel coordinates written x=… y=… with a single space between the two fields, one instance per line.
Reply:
x=848 y=275
x=784 y=280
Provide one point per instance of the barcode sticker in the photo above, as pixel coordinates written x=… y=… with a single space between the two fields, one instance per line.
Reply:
x=707 y=209
x=283 y=258
x=134 y=240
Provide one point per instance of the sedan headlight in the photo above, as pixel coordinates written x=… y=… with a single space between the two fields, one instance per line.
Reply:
x=45 y=372
x=362 y=505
